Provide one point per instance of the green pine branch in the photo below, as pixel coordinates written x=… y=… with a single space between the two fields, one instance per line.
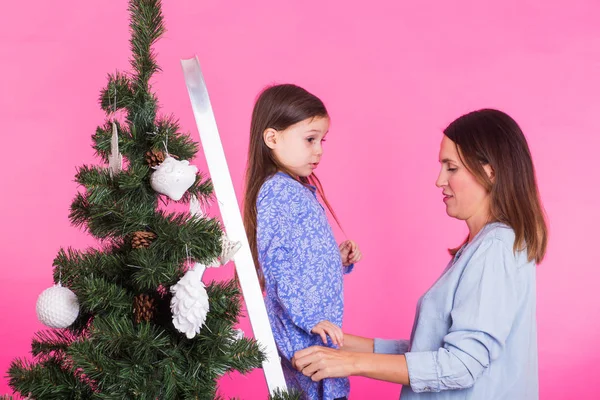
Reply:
x=72 y=266
x=168 y=133
x=133 y=144
x=108 y=215
x=180 y=235
x=98 y=296
x=149 y=272
x=222 y=306
x=49 y=343
x=49 y=379
x=289 y=395
x=147 y=26
x=118 y=93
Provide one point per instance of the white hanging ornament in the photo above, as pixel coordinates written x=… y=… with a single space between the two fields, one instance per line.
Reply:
x=173 y=177
x=189 y=304
x=238 y=335
x=196 y=208
x=57 y=307
x=115 y=159
x=228 y=250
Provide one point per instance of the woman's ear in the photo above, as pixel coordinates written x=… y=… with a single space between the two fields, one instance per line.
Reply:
x=489 y=171
x=270 y=138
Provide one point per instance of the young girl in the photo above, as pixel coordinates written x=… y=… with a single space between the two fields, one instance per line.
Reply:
x=298 y=262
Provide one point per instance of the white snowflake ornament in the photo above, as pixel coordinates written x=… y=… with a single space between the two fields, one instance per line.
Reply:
x=57 y=307
x=228 y=250
x=173 y=177
x=189 y=304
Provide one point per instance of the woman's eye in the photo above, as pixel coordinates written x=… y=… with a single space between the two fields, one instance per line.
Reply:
x=310 y=140
x=452 y=169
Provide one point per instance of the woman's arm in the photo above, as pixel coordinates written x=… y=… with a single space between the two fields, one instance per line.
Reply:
x=322 y=362
x=361 y=344
x=358 y=344
x=385 y=367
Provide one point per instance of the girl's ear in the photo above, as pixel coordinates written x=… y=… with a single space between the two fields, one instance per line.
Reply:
x=270 y=138
x=489 y=171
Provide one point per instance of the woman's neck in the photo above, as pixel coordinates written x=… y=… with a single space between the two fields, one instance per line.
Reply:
x=476 y=224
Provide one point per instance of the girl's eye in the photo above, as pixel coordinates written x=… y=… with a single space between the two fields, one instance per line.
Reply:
x=452 y=169
x=310 y=140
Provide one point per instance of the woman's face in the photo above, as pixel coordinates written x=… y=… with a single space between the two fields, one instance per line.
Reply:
x=465 y=198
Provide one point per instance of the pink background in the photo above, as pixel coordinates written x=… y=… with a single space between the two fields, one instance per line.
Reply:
x=392 y=75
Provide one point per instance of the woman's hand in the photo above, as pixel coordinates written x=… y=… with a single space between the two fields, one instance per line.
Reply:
x=350 y=252
x=318 y=362
x=325 y=328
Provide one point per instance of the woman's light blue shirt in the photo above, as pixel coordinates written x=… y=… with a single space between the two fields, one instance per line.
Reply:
x=475 y=332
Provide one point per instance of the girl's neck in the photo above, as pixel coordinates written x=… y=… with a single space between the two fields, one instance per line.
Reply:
x=288 y=173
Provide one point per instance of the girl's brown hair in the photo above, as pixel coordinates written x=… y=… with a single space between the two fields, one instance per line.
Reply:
x=277 y=107
x=491 y=137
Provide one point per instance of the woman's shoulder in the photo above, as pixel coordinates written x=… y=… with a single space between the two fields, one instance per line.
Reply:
x=500 y=238
x=498 y=231
x=494 y=235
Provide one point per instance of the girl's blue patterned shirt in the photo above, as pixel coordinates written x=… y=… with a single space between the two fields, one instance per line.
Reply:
x=303 y=272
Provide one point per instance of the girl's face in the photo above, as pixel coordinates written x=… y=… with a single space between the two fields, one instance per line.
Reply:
x=465 y=198
x=299 y=147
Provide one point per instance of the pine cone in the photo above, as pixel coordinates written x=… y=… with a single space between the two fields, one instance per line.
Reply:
x=154 y=157
x=143 y=308
x=142 y=239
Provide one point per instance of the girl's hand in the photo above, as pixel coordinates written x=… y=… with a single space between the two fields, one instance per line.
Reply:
x=325 y=328
x=320 y=362
x=350 y=253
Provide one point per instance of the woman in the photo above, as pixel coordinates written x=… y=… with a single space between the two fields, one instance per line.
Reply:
x=475 y=333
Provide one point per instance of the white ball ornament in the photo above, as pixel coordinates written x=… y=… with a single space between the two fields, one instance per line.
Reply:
x=57 y=307
x=173 y=177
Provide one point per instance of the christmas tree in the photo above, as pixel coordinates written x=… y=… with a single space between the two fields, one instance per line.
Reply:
x=134 y=319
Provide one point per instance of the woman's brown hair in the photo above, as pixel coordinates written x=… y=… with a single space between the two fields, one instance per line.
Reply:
x=277 y=107
x=491 y=137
